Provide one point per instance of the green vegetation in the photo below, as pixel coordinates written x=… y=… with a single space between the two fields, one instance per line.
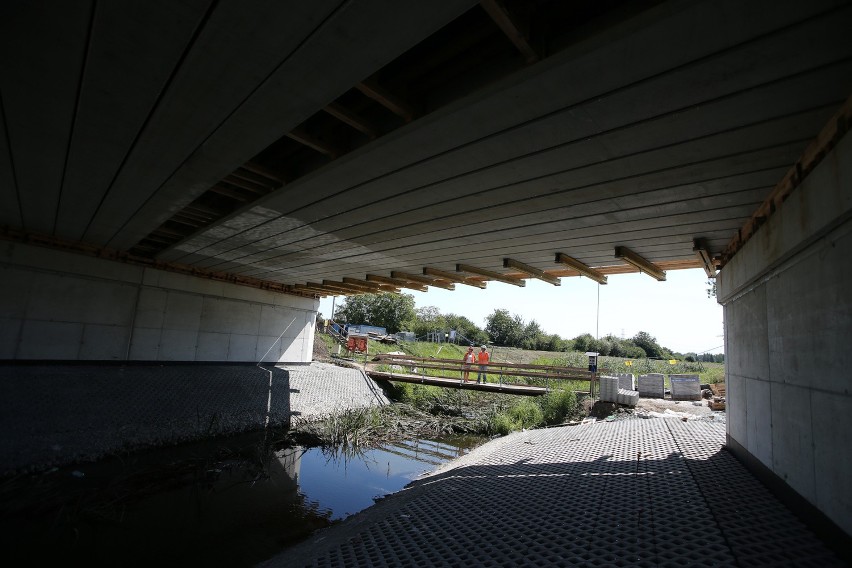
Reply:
x=390 y=311
x=395 y=312
x=423 y=410
x=488 y=413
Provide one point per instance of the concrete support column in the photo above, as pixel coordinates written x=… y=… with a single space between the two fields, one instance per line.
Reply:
x=56 y=305
x=787 y=297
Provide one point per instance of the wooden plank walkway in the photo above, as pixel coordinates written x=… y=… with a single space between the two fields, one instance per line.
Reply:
x=504 y=388
x=511 y=378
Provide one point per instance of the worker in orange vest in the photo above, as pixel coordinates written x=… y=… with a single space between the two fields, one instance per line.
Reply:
x=483 y=358
x=469 y=360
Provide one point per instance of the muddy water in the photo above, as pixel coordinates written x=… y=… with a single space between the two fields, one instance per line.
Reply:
x=218 y=503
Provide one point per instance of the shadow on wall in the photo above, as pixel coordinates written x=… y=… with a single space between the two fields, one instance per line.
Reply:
x=57 y=414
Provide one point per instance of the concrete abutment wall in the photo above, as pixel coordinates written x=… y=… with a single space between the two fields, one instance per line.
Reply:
x=56 y=305
x=787 y=297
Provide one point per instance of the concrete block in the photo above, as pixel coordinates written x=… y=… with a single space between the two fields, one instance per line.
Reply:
x=652 y=385
x=685 y=387
x=268 y=348
x=832 y=422
x=229 y=316
x=746 y=327
x=274 y=319
x=292 y=350
x=104 y=342
x=736 y=404
x=183 y=311
x=626 y=381
x=242 y=348
x=809 y=310
x=10 y=333
x=212 y=346
x=822 y=198
x=609 y=389
x=759 y=420
x=628 y=397
x=792 y=438
x=15 y=286
x=302 y=324
x=246 y=293
x=69 y=263
x=69 y=298
x=151 y=308
x=177 y=345
x=145 y=344
x=50 y=340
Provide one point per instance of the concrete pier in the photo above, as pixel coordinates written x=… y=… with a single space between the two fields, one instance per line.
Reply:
x=58 y=414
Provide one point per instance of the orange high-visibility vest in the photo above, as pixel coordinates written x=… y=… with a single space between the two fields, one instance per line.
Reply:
x=483 y=356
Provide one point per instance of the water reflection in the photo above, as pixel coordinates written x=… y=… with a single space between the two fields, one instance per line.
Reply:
x=213 y=504
x=341 y=484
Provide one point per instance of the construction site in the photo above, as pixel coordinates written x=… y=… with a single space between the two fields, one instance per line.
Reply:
x=182 y=184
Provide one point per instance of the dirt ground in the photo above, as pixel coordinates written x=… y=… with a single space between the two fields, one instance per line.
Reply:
x=321 y=352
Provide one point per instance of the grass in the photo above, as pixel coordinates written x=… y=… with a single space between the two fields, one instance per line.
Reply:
x=707 y=372
x=436 y=410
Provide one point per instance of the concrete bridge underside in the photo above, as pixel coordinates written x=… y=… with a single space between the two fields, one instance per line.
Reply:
x=182 y=181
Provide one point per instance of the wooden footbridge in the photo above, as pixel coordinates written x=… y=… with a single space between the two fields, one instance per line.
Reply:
x=507 y=378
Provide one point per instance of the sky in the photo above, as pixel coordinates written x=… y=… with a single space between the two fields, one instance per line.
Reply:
x=677 y=312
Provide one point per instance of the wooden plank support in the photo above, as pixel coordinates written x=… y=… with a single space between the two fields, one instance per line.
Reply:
x=263 y=171
x=299 y=135
x=699 y=246
x=454 y=277
x=346 y=116
x=582 y=268
x=531 y=271
x=375 y=286
x=309 y=290
x=183 y=220
x=825 y=141
x=396 y=282
x=423 y=280
x=490 y=275
x=8 y=233
x=346 y=287
x=247 y=185
x=219 y=190
x=387 y=99
x=362 y=283
x=641 y=263
x=330 y=289
x=511 y=25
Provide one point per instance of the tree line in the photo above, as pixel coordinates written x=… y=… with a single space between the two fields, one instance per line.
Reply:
x=396 y=312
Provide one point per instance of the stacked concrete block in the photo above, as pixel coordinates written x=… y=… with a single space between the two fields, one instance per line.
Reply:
x=609 y=389
x=652 y=385
x=610 y=392
x=627 y=397
x=626 y=381
x=685 y=387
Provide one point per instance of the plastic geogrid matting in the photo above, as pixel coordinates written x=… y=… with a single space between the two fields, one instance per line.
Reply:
x=625 y=493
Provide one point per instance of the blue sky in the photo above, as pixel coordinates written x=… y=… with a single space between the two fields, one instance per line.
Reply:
x=677 y=312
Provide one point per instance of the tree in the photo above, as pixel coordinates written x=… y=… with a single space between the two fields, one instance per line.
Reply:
x=390 y=311
x=711 y=288
x=466 y=328
x=649 y=344
x=428 y=319
x=584 y=342
x=503 y=328
x=532 y=335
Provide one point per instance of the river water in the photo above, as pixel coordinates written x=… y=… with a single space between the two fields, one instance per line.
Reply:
x=215 y=503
